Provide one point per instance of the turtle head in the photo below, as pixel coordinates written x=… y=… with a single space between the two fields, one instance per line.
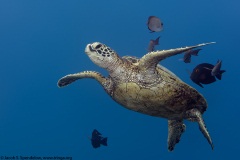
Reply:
x=101 y=54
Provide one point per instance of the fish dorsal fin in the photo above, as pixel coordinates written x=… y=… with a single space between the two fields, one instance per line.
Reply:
x=151 y=59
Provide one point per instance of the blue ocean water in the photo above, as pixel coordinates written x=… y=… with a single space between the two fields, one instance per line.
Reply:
x=41 y=41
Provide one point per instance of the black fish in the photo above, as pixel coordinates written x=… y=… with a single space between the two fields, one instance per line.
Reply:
x=154 y=24
x=152 y=44
x=97 y=139
x=202 y=74
x=188 y=54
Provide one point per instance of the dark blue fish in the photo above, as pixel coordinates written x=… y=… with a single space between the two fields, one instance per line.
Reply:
x=154 y=24
x=202 y=74
x=97 y=139
x=187 y=56
x=152 y=44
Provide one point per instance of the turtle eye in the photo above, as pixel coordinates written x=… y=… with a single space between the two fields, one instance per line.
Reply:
x=98 y=46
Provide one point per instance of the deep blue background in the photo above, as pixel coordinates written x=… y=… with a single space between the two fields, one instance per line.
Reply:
x=41 y=41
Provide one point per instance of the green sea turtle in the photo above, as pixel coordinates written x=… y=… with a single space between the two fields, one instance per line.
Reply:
x=144 y=86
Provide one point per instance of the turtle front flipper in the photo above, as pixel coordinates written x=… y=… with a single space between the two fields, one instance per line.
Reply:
x=150 y=60
x=175 y=130
x=196 y=116
x=68 y=79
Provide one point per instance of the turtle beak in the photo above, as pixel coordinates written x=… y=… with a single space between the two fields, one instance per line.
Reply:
x=90 y=48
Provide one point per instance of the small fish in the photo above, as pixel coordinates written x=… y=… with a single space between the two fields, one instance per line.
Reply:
x=216 y=71
x=187 y=56
x=97 y=139
x=202 y=74
x=152 y=44
x=154 y=24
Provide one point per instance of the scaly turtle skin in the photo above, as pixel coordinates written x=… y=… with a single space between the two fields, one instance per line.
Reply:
x=144 y=86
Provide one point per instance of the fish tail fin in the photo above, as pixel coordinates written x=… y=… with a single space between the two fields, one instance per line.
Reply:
x=222 y=71
x=104 y=141
x=219 y=76
x=195 y=52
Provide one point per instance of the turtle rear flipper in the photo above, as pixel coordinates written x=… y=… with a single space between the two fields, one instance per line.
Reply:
x=196 y=116
x=70 y=78
x=175 y=130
